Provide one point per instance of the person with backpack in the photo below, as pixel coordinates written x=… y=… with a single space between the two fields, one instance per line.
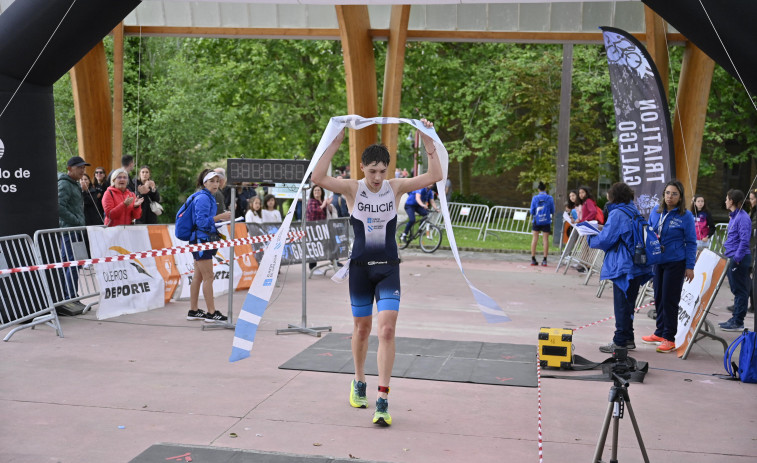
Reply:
x=675 y=227
x=737 y=249
x=202 y=210
x=618 y=240
x=542 y=209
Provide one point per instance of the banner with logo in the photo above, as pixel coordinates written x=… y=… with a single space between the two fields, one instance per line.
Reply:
x=245 y=265
x=260 y=292
x=160 y=239
x=696 y=296
x=185 y=263
x=642 y=118
x=128 y=286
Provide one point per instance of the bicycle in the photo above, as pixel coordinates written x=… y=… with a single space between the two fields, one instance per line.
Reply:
x=429 y=236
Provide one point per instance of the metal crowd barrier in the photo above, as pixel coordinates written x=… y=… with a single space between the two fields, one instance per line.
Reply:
x=565 y=256
x=69 y=285
x=718 y=238
x=24 y=297
x=582 y=254
x=508 y=219
x=596 y=265
x=473 y=216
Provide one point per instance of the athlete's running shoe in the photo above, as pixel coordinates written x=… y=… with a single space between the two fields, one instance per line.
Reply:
x=381 y=416
x=215 y=317
x=198 y=314
x=358 y=398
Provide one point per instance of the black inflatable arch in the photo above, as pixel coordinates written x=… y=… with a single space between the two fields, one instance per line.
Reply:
x=28 y=184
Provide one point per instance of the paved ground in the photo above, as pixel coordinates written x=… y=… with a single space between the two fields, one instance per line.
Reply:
x=110 y=389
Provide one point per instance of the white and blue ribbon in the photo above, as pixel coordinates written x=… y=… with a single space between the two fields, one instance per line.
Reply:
x=262 y=286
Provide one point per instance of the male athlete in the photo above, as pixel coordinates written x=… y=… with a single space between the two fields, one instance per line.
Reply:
x=417 y=201
x=374 y=263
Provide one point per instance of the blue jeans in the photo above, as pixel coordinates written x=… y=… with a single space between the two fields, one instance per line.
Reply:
x=71 y=274
x=411 y=210
x=738 y=279
x=624 y=311
x=668 y=283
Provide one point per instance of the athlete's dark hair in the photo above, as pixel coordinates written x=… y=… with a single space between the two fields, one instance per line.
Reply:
x=202 y=175
x=664 y=207
x=620 y=193
x=376 y=153
x=542 y=186
x=736 y=197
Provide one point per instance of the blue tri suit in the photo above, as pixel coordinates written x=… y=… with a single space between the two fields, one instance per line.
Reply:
x=374 y=262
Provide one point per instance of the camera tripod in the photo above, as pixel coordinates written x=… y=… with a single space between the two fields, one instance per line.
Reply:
x=619 y=399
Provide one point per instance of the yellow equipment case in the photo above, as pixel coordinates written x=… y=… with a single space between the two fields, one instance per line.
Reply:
x=556 y=348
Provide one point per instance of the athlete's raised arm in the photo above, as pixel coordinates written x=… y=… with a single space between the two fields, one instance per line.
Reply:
x=320 y=175
x=432 y=175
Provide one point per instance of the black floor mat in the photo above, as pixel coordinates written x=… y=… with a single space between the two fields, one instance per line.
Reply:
x=161 y=453
x=432 y=359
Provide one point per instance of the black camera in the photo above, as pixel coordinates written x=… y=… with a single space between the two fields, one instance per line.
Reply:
x=621 y=366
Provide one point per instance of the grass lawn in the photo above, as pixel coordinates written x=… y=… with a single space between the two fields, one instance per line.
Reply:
x=467 y=239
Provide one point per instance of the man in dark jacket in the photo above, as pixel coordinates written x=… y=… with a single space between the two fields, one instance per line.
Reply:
x=70 y=214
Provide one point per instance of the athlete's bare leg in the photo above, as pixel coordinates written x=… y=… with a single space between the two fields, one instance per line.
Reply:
x=361 y=332
x=387 y=321
x=546 y=244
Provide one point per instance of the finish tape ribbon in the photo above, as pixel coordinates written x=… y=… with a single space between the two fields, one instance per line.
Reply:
x=292 y=236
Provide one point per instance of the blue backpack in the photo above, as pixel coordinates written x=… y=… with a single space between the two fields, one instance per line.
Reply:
x=542 y=216
x=746 y=370
x=647 y=249
x=185 y=226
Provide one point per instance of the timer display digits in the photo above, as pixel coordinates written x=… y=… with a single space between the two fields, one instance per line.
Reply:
x=265 y=170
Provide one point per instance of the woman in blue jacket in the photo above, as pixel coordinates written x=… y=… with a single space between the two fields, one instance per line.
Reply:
x=616 y=240
x=204 y=218
x=737 y=249
x=675 y=227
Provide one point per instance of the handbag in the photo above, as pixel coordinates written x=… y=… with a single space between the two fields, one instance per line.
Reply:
x=156 y=207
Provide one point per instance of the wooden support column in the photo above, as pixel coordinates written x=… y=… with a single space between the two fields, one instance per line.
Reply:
x=118 y=96
x=690 y=114
x=395 y=65
x=94 y=116
x=657 y=45
x=360 y=75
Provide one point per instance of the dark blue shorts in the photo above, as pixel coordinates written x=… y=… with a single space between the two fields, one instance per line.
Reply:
x=203 y=255
x=374 y=282
x=542 y=228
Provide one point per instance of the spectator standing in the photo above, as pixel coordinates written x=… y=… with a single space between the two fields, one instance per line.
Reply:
x=616 y=240
x=223 y=195
x=340 y=204
x=89 y=198
x=675 y=228
x=98 y=182
x=70 y=214
x=204 y=218
x=316 y=210
x=704 y=225
x=270 y=213
x=753 y=245
x=542 y=210
x=737 y=248
x=448 y=190
x=255 y=212
x=127 y=164
x=121 y=205
x=147 y=190
x=588 y=210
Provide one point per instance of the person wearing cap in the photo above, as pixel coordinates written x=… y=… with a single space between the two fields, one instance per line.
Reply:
x=70 y=214
x=204 y=217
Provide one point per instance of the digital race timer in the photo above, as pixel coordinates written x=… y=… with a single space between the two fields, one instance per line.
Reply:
x=240 y=170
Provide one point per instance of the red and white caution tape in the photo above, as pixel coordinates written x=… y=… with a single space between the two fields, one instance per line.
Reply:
x=154 y=253
x=611 y=317
x=237 y=257
x=538 y=389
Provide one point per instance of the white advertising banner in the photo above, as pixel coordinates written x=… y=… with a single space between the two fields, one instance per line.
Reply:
x=185 y=263
x=127 y=286
x=692 y=292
